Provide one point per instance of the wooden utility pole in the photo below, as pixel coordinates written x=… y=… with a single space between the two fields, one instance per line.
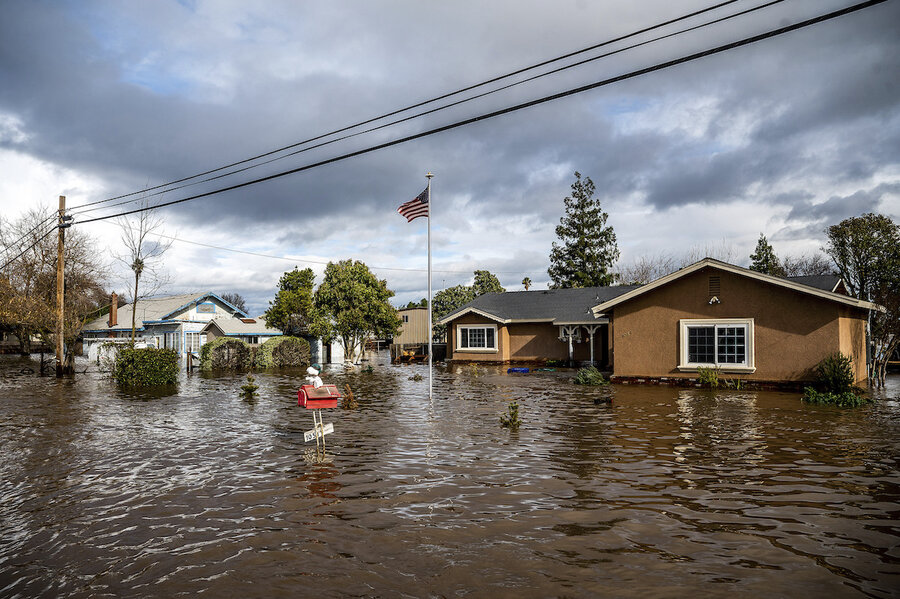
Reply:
x=60 y=287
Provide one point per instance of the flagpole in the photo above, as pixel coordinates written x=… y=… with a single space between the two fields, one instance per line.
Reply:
x=430 y=330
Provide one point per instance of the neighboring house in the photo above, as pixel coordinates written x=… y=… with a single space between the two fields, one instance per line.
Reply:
x=710 y=314
x=175 y=322
x=527 y=326
x=251 y=330
x=413 y=327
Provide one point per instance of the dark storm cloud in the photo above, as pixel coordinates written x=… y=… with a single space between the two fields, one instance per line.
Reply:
x=776 y=106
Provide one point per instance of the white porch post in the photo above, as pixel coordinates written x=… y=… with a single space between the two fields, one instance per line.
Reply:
x=591 y=329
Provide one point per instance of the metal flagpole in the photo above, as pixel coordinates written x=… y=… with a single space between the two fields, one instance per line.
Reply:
x=430 y=330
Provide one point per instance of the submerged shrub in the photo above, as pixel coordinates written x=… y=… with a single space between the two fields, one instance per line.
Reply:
x=146 y=367
x=590 y=376
x=834 y=374
x=226 y=353
x=511 y=419
x=283 y=351
x=844 y=399
x=709 y=377
x=249 y=389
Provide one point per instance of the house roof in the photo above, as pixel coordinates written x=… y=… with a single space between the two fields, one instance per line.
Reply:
x=233 y=327
x=154 y=309
x=602 y=307
x=558 y=306
x=824 y=282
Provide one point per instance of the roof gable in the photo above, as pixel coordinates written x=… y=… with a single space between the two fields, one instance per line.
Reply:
x=745 y=272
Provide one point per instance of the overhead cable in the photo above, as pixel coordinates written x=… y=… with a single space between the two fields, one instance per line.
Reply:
x=410 y=107
x=517 y=107
x=443 y=107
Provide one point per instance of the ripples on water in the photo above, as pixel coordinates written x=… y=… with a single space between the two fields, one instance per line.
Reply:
x=665 y=493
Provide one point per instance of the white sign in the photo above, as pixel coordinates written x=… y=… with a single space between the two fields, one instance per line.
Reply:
x=326 y=430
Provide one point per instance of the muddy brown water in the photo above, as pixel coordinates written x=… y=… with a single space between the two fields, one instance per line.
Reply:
x=663 y=493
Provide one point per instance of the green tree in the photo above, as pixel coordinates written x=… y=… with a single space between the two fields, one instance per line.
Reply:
x=486 y=282
x=764 y=259
x=526 y=283
x=352 y=306
x=866 y=251
x=293 y=310
x=587 y=250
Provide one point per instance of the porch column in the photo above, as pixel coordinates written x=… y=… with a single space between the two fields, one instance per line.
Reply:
x=591 y=329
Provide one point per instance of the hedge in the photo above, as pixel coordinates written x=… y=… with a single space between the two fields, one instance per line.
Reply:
x=283 y=351
x=226 y=353
x=146 y=367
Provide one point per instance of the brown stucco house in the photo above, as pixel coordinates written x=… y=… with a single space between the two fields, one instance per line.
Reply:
x=749 y=325
x=532 y=326
x=757 y=327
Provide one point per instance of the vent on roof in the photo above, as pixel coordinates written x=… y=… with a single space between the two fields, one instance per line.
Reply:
x=248 y=320
x=715 y=286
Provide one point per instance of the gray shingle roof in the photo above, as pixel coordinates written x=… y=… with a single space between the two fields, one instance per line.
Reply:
x=823 y=282
x=557 y=305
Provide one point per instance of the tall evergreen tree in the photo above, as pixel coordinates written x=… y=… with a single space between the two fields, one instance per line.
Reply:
x=764 y=259
x=587 y=250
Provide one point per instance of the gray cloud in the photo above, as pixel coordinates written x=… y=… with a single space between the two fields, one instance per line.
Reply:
x=136 y=95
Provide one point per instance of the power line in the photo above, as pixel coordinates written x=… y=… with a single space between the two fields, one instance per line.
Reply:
x=9 y=246
x=413 y=106
x=445 y=106
x=25 y=251
x=517 y=107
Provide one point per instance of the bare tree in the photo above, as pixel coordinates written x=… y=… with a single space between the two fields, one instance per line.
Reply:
x=647 y=268
x=143 y=252
x=28 y=281
x=815 y=263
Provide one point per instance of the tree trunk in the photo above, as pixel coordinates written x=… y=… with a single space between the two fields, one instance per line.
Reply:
x=24 y=336
x=134 y=308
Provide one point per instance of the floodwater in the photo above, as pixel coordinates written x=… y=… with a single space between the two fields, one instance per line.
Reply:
x=663 y=493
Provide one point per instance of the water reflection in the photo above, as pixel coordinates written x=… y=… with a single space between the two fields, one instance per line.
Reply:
x=202 y=491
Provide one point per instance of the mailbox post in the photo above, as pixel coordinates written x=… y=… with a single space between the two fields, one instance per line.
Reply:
x=315 y=399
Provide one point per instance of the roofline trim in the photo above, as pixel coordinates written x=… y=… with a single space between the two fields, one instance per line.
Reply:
x=451 y=317
x=746 y=272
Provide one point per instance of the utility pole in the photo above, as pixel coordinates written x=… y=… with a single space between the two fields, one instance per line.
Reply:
x=60 y=286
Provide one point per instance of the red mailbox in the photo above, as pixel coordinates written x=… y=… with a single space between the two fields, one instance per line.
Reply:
x=326 y=396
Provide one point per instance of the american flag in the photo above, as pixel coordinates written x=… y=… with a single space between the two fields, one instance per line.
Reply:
x=415 y=208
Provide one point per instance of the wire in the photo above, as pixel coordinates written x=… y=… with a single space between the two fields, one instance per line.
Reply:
x=323 y=262
x=517 y=107
x=25 y=251
x=9 y=246
x=445 y=106
x=417 y=105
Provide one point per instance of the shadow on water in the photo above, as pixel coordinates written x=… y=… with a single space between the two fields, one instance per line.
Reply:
x=661 y=492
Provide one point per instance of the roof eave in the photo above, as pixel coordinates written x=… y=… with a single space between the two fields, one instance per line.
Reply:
x=836 y=297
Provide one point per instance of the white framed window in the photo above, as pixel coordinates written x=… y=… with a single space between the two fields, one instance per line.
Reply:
x=725 y=343
x=192 y=342
x=476 y=337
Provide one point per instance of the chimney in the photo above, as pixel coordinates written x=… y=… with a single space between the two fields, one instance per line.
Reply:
x=113 y=310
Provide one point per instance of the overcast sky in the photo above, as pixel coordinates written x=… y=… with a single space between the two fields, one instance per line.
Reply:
x=783 y=137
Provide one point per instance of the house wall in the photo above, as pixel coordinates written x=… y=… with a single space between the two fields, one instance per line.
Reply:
x=852 y=326
x=525 y=342
x=501 y=354
x=416 y=329
x=793 y=331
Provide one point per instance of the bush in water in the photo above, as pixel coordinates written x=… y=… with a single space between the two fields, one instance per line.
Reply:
x=226 y=353
x=283 y=351
x=146 y=367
